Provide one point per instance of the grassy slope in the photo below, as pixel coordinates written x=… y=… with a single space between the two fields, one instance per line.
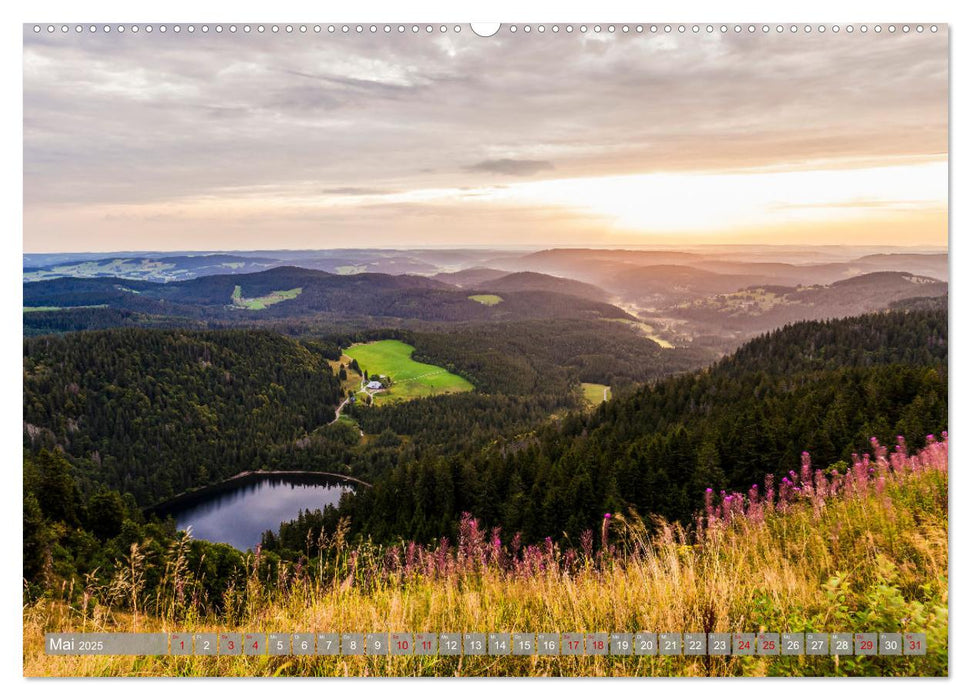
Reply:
x=259 y=303
x=861 y=563
x=594 y=393
x=411 y=379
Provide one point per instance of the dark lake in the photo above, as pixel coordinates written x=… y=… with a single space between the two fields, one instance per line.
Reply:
x=240 y=514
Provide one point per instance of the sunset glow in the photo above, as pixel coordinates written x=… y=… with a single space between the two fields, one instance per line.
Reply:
x=512 y=140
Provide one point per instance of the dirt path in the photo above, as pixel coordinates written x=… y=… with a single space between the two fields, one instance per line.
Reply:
x=337 y=413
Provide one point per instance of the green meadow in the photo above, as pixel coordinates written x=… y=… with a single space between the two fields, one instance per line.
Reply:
x=487 y=299
x=257 y=303
x=595 y=393
x=410 y=379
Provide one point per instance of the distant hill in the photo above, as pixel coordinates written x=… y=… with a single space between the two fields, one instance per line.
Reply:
x=600 y=267
x=760 y=308
x=538 y=282
x=870 y=292
x=293 y=292
x=597 y=267
x=640 y=276
x=655 y=279
x=358 y=263
x=168 y=267
x=152 y=269
x=665 y=284
x=470 y=277
x=926 y=264
x=569 y=257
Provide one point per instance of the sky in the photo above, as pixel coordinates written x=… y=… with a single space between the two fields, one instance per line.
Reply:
x=267 y=141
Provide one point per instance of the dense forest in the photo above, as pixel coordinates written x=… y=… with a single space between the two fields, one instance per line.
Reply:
x=50 y=321
x=517 y=358
x=154 y=412
x=151 y=412
x=824 y=387
x=520 y=358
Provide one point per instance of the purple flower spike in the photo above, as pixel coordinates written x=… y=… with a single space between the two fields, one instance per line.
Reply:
x=607 y=515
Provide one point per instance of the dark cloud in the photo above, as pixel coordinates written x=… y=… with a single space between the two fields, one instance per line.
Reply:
x=511 y=166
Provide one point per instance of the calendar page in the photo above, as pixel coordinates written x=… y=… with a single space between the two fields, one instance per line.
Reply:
x=515 y=349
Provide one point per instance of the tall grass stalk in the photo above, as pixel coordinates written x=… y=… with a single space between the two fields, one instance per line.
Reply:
x=860 y=551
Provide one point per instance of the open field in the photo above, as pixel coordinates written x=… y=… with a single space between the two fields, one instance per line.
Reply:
x=595 y=394
x=410 y=379
x=869 y=557
x=257 y=303
x=487 y=299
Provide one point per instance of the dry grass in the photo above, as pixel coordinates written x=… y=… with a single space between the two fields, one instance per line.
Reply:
x=871 y=562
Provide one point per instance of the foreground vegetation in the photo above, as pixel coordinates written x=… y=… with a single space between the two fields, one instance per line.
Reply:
x=860 y=549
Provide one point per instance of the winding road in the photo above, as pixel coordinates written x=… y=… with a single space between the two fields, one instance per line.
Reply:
x=337 y=412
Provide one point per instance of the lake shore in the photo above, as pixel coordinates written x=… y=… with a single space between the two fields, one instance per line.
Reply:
x=189 y=498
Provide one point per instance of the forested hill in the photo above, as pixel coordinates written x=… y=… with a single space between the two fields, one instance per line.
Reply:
x=153 y=412
x=912 y=338
x=822 y=387
x=292 y=292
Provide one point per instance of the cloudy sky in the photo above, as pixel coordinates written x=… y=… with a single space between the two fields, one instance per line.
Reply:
x=234 y=141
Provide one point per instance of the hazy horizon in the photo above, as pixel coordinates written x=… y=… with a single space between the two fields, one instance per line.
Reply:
x=246 y=142
x=642 y=247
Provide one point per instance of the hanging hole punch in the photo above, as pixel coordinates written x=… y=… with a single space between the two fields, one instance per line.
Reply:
x=485 y=29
